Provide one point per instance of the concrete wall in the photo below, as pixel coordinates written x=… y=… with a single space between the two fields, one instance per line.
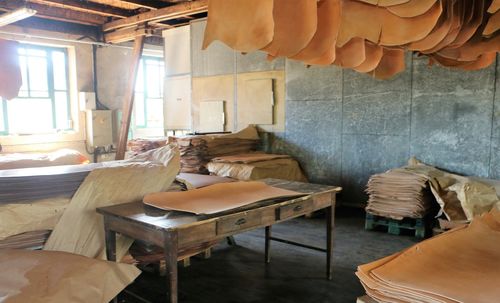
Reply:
x=344 y=126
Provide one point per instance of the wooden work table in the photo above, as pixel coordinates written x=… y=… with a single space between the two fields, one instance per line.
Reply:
x=177 y=231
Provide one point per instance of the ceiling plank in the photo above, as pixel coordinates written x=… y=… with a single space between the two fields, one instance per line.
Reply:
x=56 y=13
x=124 y=35
x=167 y=13
x=60 y=27
x=149 y=4
x=87 y=7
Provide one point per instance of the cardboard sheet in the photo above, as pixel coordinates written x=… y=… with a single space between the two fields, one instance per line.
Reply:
x=56 y=277
x=10 y=71
x=457 y=266
x=217 y=198
x=80 y=229
x=286 y=169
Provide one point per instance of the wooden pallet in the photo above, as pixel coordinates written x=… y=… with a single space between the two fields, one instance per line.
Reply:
x=395 y=227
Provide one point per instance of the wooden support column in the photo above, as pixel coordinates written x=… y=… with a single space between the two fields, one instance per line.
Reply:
x=128 y=100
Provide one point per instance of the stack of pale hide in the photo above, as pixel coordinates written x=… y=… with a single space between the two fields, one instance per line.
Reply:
x=138 y=146
x=197 y=151
x=458 y=266
x=459 y=198
x=369 y=36
x=399 y=194
x=255 y=166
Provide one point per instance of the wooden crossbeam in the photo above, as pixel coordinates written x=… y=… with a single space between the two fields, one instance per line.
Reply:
x=150 y=4
x=123 y=35
x=56 y=13
x=128 y=99
x=87 y=7
x=162 y=14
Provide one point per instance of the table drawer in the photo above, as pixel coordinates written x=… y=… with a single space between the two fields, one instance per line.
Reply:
x=239 y=221
x=295 y=209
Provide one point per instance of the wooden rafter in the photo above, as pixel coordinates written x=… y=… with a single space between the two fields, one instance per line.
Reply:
x=87 y=7
x=55 y=13
x=149 y=4
x=128 y=34
x=167 y=13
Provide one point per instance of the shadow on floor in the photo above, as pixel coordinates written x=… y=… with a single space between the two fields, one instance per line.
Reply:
x=238 y=273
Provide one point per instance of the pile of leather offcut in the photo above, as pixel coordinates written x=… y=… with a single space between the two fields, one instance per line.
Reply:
x=369 y=36
x=398 y=194
x=458 y=266
x=138 y=146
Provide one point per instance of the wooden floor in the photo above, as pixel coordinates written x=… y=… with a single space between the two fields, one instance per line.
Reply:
x=238 y=273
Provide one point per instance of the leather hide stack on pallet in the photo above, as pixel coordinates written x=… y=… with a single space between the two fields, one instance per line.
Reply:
x=399 y=194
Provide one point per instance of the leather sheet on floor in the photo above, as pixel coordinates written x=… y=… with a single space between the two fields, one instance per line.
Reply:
x=217 y=198
x=249 y=158
x=55 y=277
x=457 y=266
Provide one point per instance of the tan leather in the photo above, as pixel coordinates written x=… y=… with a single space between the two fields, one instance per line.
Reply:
x=494 y=6
x=323 y=41
x=493 y=24
x=295 y=24
x=351 y=54
x=412 y=8
x=392 y=63
x=243 y=25
x=217 y=198
x=457 y=266
x=373 y=55
x=10 y=71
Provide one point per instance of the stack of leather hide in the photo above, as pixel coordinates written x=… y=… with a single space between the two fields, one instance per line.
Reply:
x=138 y=146
x=256 y=166
x=197 y=151
x=458 y=266
x=17 y=185
x=369 y=36
x=399 y=194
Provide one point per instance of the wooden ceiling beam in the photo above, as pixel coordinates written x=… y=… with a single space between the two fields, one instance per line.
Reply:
x=55 y=13
x=60 y=27
x=87 y=7
x=162 y=14
x=124 y=35
x=149 y=4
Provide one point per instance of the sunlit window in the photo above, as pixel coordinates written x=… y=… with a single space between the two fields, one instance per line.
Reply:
x=148 y=102
x=43 y=102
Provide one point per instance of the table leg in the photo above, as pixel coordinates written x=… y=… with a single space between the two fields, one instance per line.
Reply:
x=110 y=238
x=170 y=250
x=268 y=245
x=330 y=222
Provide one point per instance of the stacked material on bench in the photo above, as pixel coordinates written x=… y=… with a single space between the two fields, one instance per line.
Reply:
x=457 y=266
x=26 y=160
x=255 y=166
x=138 y=146
x=197 y=151
x=28 y=240
x=17 y=185
x=399 y=194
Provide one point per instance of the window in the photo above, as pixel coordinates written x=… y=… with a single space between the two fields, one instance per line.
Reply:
x=43 y=102
x=148 y=100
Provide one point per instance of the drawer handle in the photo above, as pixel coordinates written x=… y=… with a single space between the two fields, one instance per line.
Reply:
x=297 y=208
x=241 y=221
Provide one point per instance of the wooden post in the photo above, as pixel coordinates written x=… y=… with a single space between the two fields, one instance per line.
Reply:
x=128 y=100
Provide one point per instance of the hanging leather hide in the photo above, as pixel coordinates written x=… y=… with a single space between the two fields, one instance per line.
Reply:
x=243 y=25
x=10 y=71
x=295 y=23
x=392 y=63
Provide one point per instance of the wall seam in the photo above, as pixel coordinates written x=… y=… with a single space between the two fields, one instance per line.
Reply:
x=493 y=116
x=342 y=130
x=411 y=106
